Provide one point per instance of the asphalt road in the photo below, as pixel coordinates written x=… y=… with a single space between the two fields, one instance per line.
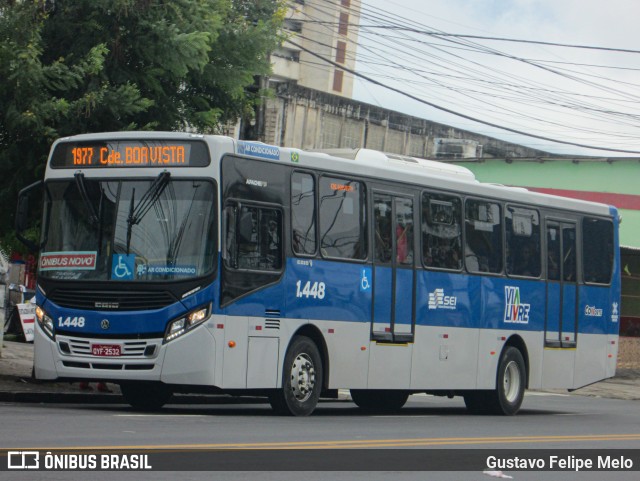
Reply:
x=546 y=421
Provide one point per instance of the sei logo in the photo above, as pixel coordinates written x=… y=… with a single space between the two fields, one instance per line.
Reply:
x=437 y=300
x=310 y=289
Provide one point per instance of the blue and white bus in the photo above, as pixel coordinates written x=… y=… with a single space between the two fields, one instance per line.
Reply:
x=174 y=262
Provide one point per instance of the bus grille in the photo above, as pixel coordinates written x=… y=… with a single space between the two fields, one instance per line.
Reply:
x=112 y=300
x=132 y=349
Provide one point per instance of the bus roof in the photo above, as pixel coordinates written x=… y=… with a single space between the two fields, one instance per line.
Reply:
x=370 y=163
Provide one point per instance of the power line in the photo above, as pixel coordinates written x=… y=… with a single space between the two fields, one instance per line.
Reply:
x=478 y=37
x=495 y=87
x=458 y=114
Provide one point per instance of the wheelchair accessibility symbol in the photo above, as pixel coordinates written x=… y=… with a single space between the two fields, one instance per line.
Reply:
x=365 y=284
x=122 y=266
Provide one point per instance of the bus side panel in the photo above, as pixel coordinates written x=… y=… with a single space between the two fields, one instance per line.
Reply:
x=491 y=345
x=558 y=367
x=348 y=348
x=332 y=296
x=263 y=362
x=613 y=343
x=389 y=365
x=445 y=357
x=591 y=360
x=594 y=315
x=506 y=307
x=235 y=349
x=448 y=312
x=535 y=348
x=191 y=359
x=327 y=290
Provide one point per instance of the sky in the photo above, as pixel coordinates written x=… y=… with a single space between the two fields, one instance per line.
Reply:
x=583 y=96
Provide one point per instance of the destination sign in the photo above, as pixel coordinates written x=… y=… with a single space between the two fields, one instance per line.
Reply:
x=130 y=153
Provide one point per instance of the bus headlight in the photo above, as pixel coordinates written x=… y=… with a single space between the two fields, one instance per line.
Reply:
x=46 y=323
x=184 y=324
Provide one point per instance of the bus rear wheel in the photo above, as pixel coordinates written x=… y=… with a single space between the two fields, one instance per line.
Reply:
x=511 y=381
x=146 y=396
x=378 y=400
x=508 y=395
x=301 y=379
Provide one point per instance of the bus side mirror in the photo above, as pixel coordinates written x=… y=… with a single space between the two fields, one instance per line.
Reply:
x=22 y=215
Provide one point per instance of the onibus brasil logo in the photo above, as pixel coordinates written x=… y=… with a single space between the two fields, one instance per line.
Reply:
x=515 y=310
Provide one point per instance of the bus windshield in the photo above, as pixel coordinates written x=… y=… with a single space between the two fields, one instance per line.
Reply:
x=129 y=230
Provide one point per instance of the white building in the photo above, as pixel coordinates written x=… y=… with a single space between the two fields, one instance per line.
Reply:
x=328 y=28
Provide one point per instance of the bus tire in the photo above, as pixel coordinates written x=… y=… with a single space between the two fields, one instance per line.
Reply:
x=379 y=400
x=146 y=396
x=511 y=381
x=301 y=379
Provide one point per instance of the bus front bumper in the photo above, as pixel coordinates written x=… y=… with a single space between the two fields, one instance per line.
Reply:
x=189 y=359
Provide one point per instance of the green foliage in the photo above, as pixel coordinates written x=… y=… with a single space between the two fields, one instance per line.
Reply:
x=69 y=67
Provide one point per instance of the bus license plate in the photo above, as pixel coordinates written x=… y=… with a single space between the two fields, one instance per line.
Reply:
x=105 y=350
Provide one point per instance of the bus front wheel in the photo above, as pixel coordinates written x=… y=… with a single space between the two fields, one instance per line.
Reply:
x=301 y=379
x=146 y=396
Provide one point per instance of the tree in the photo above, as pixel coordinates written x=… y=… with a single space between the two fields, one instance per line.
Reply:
x=69 y=67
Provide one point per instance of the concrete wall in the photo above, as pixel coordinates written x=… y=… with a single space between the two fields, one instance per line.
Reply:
x=310 y=119
x=629 y=353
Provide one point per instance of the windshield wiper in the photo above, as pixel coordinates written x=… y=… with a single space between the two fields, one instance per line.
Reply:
x=148 y=199
x=174 y=245
x=94 y=218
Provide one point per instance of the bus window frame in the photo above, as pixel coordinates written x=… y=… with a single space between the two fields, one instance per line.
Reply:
x=461 y=198
x=575 y=218
x=240 y=203
x=541 y=245
x=364 y=211
x=580 y=261
x=501 y=204
x=316 y=200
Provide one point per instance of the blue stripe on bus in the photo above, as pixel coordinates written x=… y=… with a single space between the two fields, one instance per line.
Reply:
x=491 y=302
x=336 y=291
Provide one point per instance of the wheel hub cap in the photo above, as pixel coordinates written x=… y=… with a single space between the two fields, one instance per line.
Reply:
x=511 y=381
x=303 y=377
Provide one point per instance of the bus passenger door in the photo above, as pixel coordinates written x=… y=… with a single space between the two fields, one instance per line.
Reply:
x=393 y=273
x=561 y=317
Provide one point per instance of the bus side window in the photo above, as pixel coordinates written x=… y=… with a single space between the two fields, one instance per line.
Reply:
x=483 y=229
x=523 y=241
x=597 y=250
x=569 y=252
x=303 y=213
x=254 y=238
x=343 y=226
x=441 y=231
x=553 y=253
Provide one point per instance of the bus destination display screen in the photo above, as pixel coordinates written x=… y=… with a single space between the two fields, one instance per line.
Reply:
x=130 y=153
